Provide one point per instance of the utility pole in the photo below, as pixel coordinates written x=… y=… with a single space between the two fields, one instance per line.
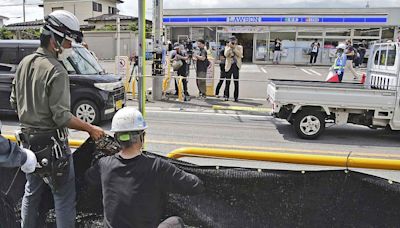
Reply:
x=142 y=57
x=118 y=43
x=23 y=8
x=157 y=71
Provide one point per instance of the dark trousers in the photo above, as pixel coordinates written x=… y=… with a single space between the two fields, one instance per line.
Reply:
x=340 y=76
x=222 y=78
x=313 y=57
x=184 y=73
x=184 y=82
x=235 y=72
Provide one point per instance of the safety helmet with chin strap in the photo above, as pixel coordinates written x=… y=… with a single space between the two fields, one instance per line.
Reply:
x=63 y=24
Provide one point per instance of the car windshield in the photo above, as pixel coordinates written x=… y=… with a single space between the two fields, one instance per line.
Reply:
x=83 y=62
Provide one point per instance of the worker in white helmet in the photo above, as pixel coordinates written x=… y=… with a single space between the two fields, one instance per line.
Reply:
x=134 y=183
x=41 y=96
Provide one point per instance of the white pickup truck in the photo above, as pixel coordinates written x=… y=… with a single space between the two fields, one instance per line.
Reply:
x=310 y=105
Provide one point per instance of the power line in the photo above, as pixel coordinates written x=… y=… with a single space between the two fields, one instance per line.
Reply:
x=22 y=3
x=27 y=4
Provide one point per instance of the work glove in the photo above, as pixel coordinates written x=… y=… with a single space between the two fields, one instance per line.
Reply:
x=339 y=72
x=30 y=164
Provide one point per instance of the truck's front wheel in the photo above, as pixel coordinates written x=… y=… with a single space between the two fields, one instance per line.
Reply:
x=309 y=124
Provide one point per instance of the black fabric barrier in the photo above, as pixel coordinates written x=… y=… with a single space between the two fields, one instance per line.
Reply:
x=237 y=197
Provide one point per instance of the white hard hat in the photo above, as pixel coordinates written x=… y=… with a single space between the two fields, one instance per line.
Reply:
x=128 y=119
x=64 y=24
x=341 y=46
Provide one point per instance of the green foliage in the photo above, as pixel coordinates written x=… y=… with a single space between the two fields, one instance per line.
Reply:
x=108 y=28
x=133 y=27
x=5 y=34
x=33 y=34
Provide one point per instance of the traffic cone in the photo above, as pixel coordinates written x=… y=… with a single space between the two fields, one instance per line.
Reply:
x=333 y=78
x=363 y=78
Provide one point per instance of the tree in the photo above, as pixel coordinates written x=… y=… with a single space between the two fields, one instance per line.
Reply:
x=5 y=34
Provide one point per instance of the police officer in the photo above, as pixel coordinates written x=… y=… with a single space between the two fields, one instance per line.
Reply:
x=133 y=184
x=11 y=155
x=41 y=96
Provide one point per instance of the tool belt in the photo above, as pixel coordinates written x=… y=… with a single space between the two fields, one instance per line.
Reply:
x=51 y=150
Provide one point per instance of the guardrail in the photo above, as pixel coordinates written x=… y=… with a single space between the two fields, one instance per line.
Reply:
x=306 y=159
x=324 y=160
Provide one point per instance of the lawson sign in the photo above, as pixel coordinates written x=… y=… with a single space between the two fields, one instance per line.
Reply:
x=243 y=19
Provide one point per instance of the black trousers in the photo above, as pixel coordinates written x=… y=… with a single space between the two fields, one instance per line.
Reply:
x=313 y=56
x=222 y=78
x=235 y=72
x=184 y=73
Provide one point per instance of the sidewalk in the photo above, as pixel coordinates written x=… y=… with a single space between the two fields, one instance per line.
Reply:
x=210 y=104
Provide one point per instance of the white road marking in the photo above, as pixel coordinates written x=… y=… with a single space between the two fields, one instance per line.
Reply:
x=264 y=70
x=211 y=114
x=250 y=68
x=315 y=72
x=305 y=71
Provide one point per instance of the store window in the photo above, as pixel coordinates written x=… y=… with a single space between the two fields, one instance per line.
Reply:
x=388 y=33
x=338 y=32
x=374 y=32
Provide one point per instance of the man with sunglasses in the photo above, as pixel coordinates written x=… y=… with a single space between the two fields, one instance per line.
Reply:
x=41 y=97
x=135 y=184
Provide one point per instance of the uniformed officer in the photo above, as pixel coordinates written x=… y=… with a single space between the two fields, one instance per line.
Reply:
x=11 y=155
x=41 y=96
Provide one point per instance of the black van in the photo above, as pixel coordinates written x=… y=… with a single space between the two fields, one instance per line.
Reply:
x=95 y=95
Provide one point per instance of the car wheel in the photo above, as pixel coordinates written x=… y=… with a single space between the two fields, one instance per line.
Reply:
x=87 y=111
x=309 y=124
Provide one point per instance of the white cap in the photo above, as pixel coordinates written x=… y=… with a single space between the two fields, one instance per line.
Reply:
x=341 y=46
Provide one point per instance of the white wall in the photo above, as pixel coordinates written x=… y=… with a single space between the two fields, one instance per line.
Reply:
x=104 y=44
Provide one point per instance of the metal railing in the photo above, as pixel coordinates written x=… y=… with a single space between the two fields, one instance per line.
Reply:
x=307 y=159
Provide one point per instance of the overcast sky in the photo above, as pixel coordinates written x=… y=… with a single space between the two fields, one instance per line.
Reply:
x=13 y=8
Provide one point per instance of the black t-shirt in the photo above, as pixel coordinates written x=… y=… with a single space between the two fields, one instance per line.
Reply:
x=222 y=54
x=182 y=71
x=134 y=190
x=277 y=46
x=350 y=49
x=201 y=66
x=189 y=46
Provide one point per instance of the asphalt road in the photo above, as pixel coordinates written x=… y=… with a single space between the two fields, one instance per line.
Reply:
x=170 y=129
x=173 y=125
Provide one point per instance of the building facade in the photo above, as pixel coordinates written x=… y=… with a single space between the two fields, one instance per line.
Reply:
x=83 y=9
x=257 y=29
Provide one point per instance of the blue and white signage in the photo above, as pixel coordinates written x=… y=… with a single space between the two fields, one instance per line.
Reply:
x=263 y=20
x=243 y=19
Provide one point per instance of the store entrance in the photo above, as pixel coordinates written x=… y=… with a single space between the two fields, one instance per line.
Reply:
x=246 y=40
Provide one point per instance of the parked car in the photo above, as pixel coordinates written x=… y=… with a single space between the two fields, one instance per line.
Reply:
x=95 y=95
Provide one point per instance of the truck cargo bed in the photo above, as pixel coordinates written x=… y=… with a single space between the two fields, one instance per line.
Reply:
x=332 y=95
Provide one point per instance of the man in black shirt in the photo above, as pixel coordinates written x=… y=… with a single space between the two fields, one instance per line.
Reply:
x=133 y=184
x=178 y=54
x=201 y=68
